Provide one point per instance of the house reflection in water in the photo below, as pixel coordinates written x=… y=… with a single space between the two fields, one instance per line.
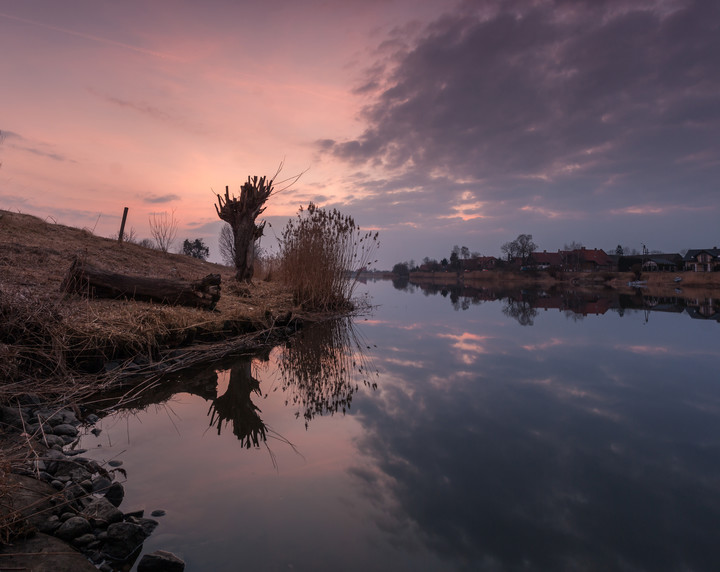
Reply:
x=524 y=304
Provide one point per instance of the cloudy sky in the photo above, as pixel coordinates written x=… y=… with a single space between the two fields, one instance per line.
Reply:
x=435 y=122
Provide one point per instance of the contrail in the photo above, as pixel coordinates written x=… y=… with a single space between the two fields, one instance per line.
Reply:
x=90 y=37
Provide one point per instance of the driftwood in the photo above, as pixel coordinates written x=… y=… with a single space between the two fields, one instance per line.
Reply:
x=89 y=280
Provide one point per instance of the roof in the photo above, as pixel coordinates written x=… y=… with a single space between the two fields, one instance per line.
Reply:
x=692 y=254
x=551 y=258
x=596 y=255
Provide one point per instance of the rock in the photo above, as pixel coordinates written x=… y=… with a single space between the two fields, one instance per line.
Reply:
x=68 y=417
x=73 y=527
x=84 y=539
x=158 y=512
x=115 y=494
x=50 y=525
x=123 y=539
x=65 y=429
x=161 y=561
x=51 y=440
x=74 y=452
x=92 y=418
x=115 y=463
x=101 y=512
x=12 y=416
x=43 y=553
x=30 y=497
x=101 y=484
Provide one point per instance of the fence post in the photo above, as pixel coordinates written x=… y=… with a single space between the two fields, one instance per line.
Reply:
x=122 y=225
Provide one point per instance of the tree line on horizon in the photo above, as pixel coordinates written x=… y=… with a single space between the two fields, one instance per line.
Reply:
x=521 y=248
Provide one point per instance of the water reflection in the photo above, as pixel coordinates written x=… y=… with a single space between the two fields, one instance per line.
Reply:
x=522 y=304
x=320 y=369
x=236 y=406
x=323 y=367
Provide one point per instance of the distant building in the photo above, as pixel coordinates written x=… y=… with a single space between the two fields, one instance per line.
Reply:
x=585 y=260
x=707 y=260
x=545 y=260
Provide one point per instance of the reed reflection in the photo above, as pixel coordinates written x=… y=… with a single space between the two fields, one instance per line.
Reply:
x=323 y=367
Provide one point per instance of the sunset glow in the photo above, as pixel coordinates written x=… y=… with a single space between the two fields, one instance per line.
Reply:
x=534 y=118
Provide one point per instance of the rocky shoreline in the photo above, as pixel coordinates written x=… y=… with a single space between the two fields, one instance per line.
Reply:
x=61 y=503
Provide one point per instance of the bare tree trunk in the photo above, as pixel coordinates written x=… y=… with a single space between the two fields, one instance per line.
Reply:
x=240 y=213
x=84 y=278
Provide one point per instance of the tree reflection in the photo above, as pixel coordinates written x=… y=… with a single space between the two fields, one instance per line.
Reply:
x=521 y=310
x=323 y=367
x=236 y=406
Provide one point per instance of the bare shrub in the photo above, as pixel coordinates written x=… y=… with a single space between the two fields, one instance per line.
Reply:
x=163 y=229
x=321 y=253
x=226 y=245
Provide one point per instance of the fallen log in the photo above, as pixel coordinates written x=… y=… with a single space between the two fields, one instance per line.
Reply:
x=88 y=280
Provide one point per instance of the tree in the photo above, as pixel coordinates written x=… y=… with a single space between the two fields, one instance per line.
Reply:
x=163 y=229
x=401 y=269
x=464 y=252
x=574 y=245
x=226 y=245
x=454 y=260
x=522 y=247
x=196 y=249
x=619 y=250
x=240 y=213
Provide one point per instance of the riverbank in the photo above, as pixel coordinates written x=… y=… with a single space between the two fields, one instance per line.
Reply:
x=49 y=335
x=692 y=284
x=58 y=349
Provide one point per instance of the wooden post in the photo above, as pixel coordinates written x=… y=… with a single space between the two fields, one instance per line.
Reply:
x=122 y=225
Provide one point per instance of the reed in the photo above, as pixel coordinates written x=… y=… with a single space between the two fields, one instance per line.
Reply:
x=321 y=253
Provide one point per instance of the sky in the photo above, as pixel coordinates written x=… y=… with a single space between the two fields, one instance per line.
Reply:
x=435 y=123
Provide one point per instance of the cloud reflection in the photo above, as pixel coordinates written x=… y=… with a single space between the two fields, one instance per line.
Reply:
x=591 y=459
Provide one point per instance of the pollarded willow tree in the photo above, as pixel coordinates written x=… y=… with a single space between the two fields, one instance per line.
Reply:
x=241 y=212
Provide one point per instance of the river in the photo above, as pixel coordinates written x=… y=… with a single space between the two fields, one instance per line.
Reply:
x=442 y=431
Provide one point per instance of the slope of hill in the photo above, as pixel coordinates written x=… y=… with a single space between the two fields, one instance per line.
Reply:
x=45 y=332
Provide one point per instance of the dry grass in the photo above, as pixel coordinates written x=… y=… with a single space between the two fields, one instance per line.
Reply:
x=46 y=336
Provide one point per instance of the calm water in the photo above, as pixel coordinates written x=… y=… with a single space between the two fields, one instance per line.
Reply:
x=478 y=435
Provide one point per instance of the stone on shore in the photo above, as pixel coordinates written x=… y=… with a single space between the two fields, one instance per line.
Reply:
x=161 y=561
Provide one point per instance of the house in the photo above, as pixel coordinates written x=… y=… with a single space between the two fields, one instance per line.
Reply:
x=707 y=260
x=479 y=263
x=662 y=263
x=544 y=260
x=584 y=260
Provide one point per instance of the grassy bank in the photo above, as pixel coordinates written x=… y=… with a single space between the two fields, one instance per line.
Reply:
x=51 y=341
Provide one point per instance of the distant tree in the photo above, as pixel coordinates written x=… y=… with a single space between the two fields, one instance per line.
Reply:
x=147 y=243
x=573 y=246
x=196 y=249
x=475 y=254
x=454 y=260
x=444 y=262
x=522 y=247
x=401 y=269
x=226 y=245
x=464 y=252
x=619 y=250
x=163 y=229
